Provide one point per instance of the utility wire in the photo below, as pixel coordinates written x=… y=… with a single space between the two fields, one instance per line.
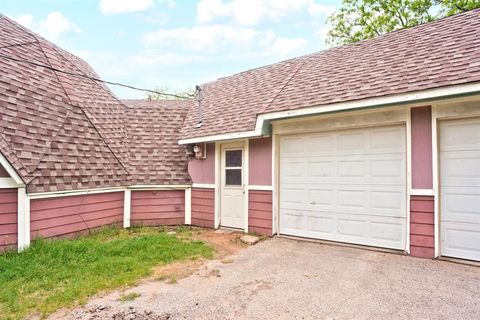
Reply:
x=92 y=78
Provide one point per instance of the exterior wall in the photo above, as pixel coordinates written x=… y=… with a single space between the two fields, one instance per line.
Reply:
x=203 y=207
x=3 y=172
x=260 y=212
x=422 y=222
x=203 y=171
x=422 y=173
x=260 y=161
x=67 y=216
x=155 y=208
x=8 y=219
x=422 y=240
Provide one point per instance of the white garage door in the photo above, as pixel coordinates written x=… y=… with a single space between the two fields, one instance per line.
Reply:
x=460 y=188
x=347 y=186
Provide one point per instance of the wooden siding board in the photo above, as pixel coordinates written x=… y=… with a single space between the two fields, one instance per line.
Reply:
x=8 y=219
x=422 y=227
x=67 y=216
x=260 y=212
x=159 y=207
x=203 y=207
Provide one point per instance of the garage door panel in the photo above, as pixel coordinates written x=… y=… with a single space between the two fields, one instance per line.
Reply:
x=353 y=191
x=460 y=188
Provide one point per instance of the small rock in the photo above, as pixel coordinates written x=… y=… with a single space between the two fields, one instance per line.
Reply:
x=100 y=308
x=131 y=317
x=148 y=312
x=250 y=240
x=171 y=233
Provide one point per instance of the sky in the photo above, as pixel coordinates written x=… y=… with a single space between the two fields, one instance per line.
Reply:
x=176 y=44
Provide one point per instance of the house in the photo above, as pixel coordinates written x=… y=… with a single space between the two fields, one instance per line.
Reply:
x=375 y=143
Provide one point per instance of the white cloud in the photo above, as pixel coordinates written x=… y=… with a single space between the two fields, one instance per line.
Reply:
x=25 y=19
x=52 y=27
x=109 y=7
x=56 y=24
x=253 y=12
x=151 y=58
x=225 y=40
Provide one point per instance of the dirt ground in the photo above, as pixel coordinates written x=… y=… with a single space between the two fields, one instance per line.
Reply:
x=289 y=279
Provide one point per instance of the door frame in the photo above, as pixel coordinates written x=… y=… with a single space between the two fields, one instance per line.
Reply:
x=356 y=119
x=240 y=143
x=463 y=108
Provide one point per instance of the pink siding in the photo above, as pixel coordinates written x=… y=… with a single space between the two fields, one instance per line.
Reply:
x=203 y=207
x=422 y=236
x=155 y=208
x=3 y=172
x=260 y=212
x=203 y=171
x=260 y=156
x=66 y=216
x=422 y=173
x=8 y=219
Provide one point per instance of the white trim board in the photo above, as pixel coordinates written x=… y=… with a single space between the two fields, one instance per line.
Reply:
x=204 y=185
x=422 y=192
x=188 y=206
x=396 y=99
x=23 y=220
x=127 y=207
x=8 y=183
x=56 y=194
x=260 y=188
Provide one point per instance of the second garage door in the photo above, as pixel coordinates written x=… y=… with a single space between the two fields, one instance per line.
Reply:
x=347 y=186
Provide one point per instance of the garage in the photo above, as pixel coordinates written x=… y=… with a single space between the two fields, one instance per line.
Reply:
x=345 y=185
x=460 y=188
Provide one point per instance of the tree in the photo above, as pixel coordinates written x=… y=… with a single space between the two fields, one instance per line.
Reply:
x=363 y=19
x=164 y=93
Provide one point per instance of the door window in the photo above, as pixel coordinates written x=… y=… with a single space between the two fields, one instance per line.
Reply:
x=233 y=167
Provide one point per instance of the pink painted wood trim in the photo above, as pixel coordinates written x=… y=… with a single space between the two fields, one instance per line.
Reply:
x=203 y=207
x=8 y=219
x=260 y=157
x=421 y=126
x=68 y=216
x=260 y=212
x=156 y=208
x=203 y=171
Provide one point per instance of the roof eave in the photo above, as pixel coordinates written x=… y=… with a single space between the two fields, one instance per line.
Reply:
x=262 y=125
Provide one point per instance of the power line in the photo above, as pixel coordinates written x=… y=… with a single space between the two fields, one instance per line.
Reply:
x=92 y=78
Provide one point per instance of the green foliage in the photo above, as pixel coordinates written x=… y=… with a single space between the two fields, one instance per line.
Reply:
x=52 y=274
x=363 y=19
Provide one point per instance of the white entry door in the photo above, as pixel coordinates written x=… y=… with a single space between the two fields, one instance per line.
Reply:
x=346 y=185
x=460 y=188
x=232 y=201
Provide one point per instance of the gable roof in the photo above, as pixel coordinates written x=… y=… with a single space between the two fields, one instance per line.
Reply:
x=63 y=132
x=442 y=53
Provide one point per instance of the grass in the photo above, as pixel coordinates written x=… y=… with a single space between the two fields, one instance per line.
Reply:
x=52 y=274
x=128 y=297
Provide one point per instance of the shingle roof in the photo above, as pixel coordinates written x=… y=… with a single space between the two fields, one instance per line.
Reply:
x=441 y=53
x=154 y=154
x=62 y=132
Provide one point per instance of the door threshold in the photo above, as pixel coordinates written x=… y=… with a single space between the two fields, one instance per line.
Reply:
x=222 y=228
x=343 y=244
x=466 y=262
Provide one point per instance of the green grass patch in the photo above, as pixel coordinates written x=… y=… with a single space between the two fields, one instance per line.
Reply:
x=52 y=274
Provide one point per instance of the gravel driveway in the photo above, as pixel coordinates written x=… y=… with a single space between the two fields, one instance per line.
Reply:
x=288 y=279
